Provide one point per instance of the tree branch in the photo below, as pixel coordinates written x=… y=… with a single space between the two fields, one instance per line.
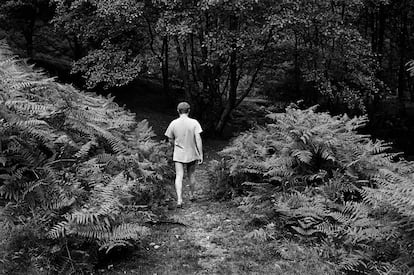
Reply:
x=152 y=40
x=256 y=73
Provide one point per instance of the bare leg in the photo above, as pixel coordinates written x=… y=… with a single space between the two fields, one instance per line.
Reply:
x=179 y=174
x=191 y=176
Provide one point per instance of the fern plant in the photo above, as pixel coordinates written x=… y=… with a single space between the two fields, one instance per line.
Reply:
x=410 y=67
x=319 y=178
x=70 y=164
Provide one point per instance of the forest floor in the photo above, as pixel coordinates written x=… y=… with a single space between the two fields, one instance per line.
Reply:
x=208 y=238
x=212 y=237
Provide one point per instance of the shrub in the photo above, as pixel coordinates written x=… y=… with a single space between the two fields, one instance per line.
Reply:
x=75 y=169
x=316 y=176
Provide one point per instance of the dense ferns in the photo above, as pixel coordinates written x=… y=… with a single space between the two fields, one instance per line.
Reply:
x=71 y=165
x=320 y=179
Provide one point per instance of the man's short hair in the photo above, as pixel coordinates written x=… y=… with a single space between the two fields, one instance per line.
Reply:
x=183 y=108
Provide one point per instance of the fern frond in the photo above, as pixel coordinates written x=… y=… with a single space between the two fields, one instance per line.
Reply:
x=303 y=155
x=128 y=231
x=7 y=61
x=29 y=123
x=59 y=204
x=26 y=84
x=25 y=107
x=116 y=144
x=84 y=150
x=92 y=231
x=353 y=262
x=58 y=230
x=83 y=217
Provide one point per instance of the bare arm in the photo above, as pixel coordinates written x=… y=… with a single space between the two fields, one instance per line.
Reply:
x=199 y=144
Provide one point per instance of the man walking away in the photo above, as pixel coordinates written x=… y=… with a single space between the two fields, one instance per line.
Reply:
x=184 y=133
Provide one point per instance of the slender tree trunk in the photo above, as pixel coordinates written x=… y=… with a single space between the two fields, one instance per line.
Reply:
x=232 y=95
x=403 y=59
x=205 y=75
x=183 y=65
x=382 y=17
x=374 y=33
x=28 y=35
x=193 y=63
x=208 y=105
x=366 y=26
x=164 y=67
x=381 y=30
x=296 y=70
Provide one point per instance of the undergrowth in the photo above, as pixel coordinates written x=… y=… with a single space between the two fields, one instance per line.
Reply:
x=316 y=177
x=78 y=174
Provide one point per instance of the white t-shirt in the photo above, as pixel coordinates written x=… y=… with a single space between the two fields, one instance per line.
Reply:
x=183 y=131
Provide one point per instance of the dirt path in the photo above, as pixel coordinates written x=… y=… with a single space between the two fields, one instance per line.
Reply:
x=209 y=237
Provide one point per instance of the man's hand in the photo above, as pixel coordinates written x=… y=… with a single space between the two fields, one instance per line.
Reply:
x=199 y=148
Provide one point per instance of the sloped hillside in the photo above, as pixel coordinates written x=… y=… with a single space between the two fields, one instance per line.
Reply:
x=77 y=172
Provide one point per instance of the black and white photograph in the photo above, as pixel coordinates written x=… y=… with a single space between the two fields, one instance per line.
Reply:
x=204 y=137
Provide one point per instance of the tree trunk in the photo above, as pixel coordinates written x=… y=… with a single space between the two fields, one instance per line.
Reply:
x=403 y=59
x=232 y=95
x=373 y=21
x=231 y=101
x=381 y=30
x=165 y=68
x=28 y=36
x=183 y=65
x=296 y=70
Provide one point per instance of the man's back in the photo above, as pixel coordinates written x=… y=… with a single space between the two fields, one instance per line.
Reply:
x=183 y=131
x=188 y=148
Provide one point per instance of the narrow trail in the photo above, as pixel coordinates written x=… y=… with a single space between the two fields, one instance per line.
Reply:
x=209 y=236
x=211 y=240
